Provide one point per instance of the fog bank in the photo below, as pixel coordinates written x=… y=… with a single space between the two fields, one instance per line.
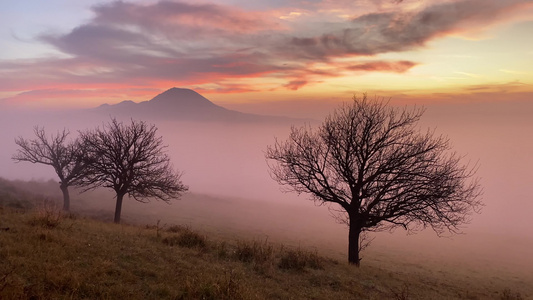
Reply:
x=231 y=191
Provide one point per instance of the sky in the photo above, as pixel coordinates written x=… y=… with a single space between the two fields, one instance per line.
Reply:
x=67 y=54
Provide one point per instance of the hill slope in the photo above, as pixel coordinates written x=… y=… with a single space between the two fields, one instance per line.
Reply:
x=44 y=255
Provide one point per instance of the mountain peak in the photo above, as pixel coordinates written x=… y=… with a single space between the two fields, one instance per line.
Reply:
x=178 y=92
x=182 y=97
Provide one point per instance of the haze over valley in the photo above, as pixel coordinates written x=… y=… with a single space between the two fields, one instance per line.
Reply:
x=221 y=155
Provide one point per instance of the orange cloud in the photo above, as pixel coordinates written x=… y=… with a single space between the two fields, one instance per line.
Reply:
x=225 y=89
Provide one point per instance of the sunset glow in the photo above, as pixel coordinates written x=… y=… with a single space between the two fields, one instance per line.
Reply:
x=82 y=54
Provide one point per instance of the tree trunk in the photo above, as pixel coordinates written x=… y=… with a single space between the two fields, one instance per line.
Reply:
x=118 y=208
x=66 y=197
x=353 y=244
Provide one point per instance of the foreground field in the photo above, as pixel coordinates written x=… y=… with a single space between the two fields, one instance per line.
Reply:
x=44 y=255
x=227 y=248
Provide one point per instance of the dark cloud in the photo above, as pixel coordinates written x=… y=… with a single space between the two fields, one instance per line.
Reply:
x=181 y=19
x=107 y=43
x=377 y=33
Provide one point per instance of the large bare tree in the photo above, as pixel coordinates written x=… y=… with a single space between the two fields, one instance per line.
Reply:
x=64 y=156
x=378 y=170
x=130 y=159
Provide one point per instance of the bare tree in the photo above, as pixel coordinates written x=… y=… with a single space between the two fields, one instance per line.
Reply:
x=379 y=171
x=64 y=156
x=129 y=159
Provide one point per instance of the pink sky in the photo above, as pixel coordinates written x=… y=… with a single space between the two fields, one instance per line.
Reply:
x=62 y=54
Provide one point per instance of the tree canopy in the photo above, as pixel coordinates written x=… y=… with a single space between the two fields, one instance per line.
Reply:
x=56 y=151
x=378 y=171
x=130 y=159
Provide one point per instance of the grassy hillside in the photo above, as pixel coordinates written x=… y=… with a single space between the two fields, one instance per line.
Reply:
x=45 y=254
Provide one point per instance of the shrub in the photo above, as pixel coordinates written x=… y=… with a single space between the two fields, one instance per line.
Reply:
x=48 y=216
x=299 y=259
x=187 y=238
x=176 y=228
x=258 y=252
x=191 y=239
x=222 y=250
x=15 y=197
x=507 y=294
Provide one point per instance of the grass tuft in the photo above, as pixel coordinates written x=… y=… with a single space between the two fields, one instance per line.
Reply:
x=227 y=287
x=176 y=228
x=507 y=294
x=221 y=249
x=186 y=238
x=4 y=278
x=401 y=293
x=299 y=259
x=257 y=252
x=48 y=216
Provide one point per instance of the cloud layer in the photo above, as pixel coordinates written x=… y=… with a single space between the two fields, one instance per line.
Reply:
x=219 y=47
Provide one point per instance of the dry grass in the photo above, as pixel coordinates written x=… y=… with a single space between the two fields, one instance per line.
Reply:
x=298 y=259
x=48 y=215
x=79 y=258
x=186 y=238
x=507 y=294
x=255 y=251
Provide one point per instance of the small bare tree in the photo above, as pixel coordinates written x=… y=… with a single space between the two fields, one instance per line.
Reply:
x=129 y=159
x=64 y=156
x=379 y=171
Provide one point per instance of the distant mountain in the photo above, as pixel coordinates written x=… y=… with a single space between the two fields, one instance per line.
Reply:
x=185 y=105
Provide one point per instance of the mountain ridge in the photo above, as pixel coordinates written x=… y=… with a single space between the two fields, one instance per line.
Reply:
x=185 y=105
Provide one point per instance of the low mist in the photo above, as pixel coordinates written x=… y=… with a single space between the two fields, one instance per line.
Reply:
x=231 y=192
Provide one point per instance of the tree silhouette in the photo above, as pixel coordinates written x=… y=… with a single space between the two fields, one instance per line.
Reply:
x=379 y=172
x=64 y=156
x=129 y=159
